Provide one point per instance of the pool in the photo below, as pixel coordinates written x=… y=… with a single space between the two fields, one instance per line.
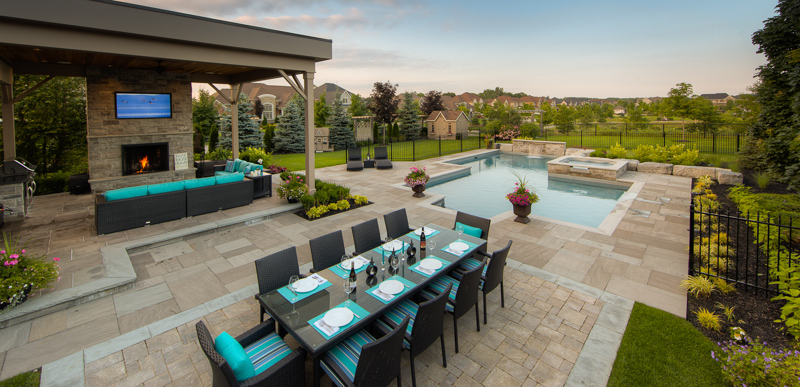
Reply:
x=483 y=191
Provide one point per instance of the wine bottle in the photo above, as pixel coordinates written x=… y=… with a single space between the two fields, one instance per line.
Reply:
x=422 y=243
x=353 y=278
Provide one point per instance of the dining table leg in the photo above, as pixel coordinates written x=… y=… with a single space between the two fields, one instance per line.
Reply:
x=317 y=372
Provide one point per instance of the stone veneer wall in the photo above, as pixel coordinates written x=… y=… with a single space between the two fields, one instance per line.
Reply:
x=106 y=134
x=11 y=195
x=540 y=148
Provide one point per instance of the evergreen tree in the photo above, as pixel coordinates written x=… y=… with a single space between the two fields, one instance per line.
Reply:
x=204 y=113
x=290 y=134
x=341 y=135
x=213 y=139
x=249 y=133
x=409 y=118
x=269 y=134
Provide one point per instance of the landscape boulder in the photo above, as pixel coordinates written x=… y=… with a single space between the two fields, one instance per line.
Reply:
x=694 y=172
x=729 y=178
x=659 y=168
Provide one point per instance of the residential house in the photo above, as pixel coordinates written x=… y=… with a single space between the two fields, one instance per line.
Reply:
x=718 y=99
x=330 y=90
x=619 y=110
x=446 y=124
x=270 y=100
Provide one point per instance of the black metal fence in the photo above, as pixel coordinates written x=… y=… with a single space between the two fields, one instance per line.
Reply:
x=421 y=149
x=727 y=246
x=708 y=138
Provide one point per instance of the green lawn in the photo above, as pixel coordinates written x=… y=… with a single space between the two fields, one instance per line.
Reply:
x=720 y=144
x=660 y=349
x=398 y=151
x=27 y=379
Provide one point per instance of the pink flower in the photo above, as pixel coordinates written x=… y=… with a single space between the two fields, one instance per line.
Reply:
x=56 y=259
x=23 y=251
x=13 y=256
x=2 y=251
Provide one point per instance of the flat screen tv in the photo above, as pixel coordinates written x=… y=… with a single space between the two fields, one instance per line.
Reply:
x=143 y=105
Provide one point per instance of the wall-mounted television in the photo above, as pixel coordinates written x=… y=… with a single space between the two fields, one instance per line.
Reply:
x=143 y=105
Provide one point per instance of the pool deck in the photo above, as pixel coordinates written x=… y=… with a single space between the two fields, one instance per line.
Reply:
x=569 y=288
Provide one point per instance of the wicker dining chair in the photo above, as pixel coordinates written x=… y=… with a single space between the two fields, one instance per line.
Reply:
x=492 y=274
x=474 y=221
x=274 y=271
x=288 y=371
x=366 y=236
x=463 y=295
x=326 y=250
x=361 y=360
x=396 y=223
x=426 y=325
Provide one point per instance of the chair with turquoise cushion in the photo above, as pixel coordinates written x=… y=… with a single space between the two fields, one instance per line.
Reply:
x=273 y=362
x=474 y=221
x=426 y=325
x=492 y=273
x=361 y=360
x=462 y=296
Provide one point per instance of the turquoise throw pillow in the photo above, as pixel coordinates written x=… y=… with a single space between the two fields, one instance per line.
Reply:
x=234 y=354
x=243 y=166
x=126 y=193
x=229 y=166
x=233 y=177
x=236 y=164
x=469 y=230
x=247 y=169
x=197 y=183
x=165 y=187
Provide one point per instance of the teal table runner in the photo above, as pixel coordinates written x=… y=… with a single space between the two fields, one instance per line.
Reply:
x=359 y=312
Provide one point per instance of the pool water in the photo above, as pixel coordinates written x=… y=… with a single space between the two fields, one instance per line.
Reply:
x=483 y=192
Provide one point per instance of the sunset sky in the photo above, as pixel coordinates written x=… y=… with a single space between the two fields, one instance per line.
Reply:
x=613 y=48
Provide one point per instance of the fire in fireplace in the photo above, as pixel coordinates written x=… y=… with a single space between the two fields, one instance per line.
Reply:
x=145 y=158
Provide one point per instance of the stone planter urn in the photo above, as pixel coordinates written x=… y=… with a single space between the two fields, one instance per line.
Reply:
x=418 y=190
x=522 y=213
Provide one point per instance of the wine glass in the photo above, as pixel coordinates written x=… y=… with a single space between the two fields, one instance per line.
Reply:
x=345 y=264
x=388 y=242
x=395 y=262
x=460 y=230
x=431 y=247
x=292 y=280
x=348 y=287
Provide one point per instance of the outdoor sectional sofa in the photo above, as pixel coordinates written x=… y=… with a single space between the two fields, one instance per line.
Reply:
x=133 y=207
x=236 y=166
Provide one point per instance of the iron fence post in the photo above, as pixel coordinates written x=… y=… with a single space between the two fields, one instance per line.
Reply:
x=664 y=134
x=413 y=150
x=691 y=236
x=440 y=145
x=713 y=143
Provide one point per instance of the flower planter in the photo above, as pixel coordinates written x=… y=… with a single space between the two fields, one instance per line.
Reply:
x=522 y=213
x=418 y=190
x=293 y=200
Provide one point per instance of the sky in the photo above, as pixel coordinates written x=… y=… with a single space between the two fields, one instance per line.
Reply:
x=578 y=48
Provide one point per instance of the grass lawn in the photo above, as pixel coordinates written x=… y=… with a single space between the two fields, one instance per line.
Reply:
x=27 y=379
x=660 y=349
x=726 y=144
x=398 y=151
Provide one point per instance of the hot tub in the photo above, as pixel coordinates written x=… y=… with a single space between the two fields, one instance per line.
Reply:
x=594 y=167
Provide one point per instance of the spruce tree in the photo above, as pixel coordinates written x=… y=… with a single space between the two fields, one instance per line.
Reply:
x=409 y=120
x=249 y=133
x=341 y=134
x=290 y=133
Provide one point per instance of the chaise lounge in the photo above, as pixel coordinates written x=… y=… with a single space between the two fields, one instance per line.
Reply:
x=382 y=158
x=354 y=162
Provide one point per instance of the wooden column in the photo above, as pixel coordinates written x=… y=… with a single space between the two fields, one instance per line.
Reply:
x=308 y=78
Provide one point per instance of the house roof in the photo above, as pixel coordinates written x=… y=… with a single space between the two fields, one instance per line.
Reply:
x=449 y=115
x=252 y=90
x=329 y=90
x=715 y=96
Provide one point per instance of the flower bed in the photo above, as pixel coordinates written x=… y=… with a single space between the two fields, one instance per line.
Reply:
x=20 y=273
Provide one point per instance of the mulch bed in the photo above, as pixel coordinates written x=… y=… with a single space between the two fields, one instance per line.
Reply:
x=302 y=213
x=754 y=313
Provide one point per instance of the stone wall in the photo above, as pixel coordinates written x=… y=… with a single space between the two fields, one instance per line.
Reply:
x=11 y=195
x=106 y=134
x=539 y=148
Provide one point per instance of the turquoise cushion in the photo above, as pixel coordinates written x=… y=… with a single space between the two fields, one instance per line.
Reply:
x=233 y=177
x=229 y=166
x=236 y=164
x=267 y=351
x=165 y=187
x=469 y=230
x=234 y=354
x=243 y=166
x=126 y=193
x=197 y=183
x=258 y=166
x=247 y=169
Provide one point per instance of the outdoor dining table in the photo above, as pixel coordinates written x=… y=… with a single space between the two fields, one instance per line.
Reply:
x=297 y=318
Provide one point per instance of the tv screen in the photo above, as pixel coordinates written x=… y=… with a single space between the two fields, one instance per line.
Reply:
x=143 y=105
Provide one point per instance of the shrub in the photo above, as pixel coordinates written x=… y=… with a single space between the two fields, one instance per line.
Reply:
x=219 y=154
x=343 y=204
x=21 y=273
x=255 y=155
x=599 y=152
x=687 y=157
x=316 y=212
x=294 y=187
x=762 y=179
x=307 y=201
x=723 y=286
x=643 y=152
x=750 y=363
x=617 y=152
x=789 y=284
x=358 y=199
x=707 y=319
x=698 y=286
x=51 y=183
x=727 y=311
x=275 y=169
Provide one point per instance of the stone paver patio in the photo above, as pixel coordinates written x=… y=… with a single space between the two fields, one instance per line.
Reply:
x=638 y=254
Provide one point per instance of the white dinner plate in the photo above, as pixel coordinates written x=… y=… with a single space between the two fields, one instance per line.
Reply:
x=431 y=264
x=338 y=317
x=459 y=246
x=355 y=262
x=391 y=286
x=393 y=245
x=306 y=285
x=428 y=231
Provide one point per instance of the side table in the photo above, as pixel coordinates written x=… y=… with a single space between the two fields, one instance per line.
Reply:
x=369 y=163
x=262 y=185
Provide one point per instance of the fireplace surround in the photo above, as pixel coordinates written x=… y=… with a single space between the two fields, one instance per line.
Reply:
x=145 y=158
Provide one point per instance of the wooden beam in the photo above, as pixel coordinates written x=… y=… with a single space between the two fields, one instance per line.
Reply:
x=294 y=84
x=228 y=100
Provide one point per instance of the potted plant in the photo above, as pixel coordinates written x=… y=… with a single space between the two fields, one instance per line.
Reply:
x=522 y=198
x=21 y=273
x=416 y=179
x=292 y=188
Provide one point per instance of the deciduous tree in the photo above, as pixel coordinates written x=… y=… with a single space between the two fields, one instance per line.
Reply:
x=680 y=103
x=431 y=102
x=204 y=114
x=384 y=102
x=357 y=107
x=320 y=111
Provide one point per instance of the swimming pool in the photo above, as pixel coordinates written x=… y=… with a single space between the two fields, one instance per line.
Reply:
x=482 y=193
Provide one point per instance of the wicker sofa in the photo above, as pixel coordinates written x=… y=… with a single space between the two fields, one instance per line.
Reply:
x=127 y=213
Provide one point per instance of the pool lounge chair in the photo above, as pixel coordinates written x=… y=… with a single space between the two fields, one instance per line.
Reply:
x=354 y=162
x=382 y=158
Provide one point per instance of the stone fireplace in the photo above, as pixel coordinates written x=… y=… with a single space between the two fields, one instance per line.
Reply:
x=117 y=146
x=145 y=158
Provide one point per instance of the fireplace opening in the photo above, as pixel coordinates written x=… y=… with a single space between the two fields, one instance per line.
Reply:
x=145 y=158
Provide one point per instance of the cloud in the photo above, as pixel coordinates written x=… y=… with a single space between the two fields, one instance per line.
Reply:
x=241 y=8
x=352 y=18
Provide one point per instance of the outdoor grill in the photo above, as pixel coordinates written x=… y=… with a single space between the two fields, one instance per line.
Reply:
x=18 y=172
